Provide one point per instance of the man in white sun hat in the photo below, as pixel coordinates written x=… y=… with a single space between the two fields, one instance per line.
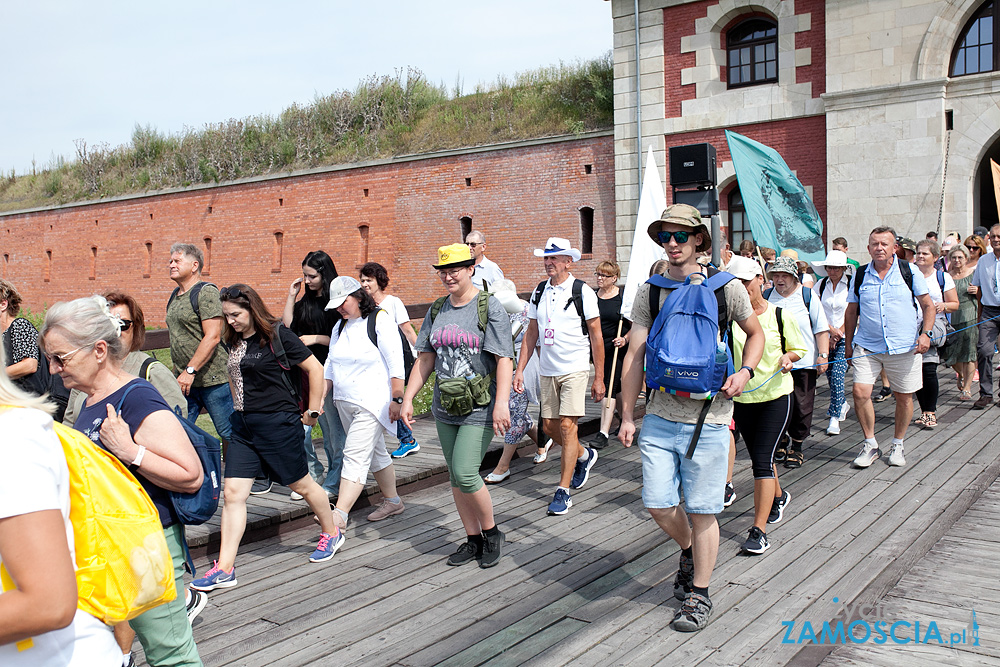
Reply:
x=563 y=315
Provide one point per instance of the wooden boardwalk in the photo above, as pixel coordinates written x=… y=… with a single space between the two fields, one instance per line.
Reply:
x=594 y=587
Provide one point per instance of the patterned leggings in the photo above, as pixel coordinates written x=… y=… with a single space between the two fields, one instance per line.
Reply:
x=835 y=373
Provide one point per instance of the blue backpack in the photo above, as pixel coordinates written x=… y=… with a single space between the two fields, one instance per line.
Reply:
x=684 y=353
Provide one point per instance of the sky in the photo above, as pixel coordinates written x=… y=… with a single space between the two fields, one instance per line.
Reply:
x=94 y=70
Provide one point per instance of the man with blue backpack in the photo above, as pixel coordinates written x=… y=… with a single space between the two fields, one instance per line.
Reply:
x=680 y=320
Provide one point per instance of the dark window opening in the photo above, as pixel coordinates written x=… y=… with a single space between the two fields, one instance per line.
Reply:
x=949 y=120
x=47 y=270
x=93 y=263
x=588 y=168
x=466 y=223
x=149 y=261
x=281 y=201
x=586 y=230
x=366 y=192
x=207 y=269
x=752 y=52
x=468 y=182
x=976 y=52
x=279 y=240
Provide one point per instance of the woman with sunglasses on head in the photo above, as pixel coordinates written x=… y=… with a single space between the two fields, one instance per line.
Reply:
x=267 y=425
x=374 y=279
x=37 y=546
x=309 y=319
x=127 y=416
x=467 y=342
x=609 y=303
x=364 y=375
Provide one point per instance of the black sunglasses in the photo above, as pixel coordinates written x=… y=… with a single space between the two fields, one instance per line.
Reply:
x=664 y=237
x=229 y=293
x=126 y=325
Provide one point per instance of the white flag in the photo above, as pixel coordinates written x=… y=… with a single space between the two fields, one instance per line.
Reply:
x=652 y=201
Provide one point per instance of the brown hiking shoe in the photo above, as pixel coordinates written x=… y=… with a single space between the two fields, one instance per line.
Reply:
x=982 y=402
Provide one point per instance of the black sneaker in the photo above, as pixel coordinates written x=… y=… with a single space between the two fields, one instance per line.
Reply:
x=778 y=507
x=756 y=542
x=693 y=614
x=466 y=553
x=261 y=485
x=492 y=549
x=195 y=604
x=730 y=495
x=600 y=442
x=882 y=395
x=685 y=575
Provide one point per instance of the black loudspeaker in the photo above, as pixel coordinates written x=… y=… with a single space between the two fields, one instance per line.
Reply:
x=693 y=164
x=706 y=201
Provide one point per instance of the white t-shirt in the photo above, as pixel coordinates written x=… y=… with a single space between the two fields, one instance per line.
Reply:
x=34 y=477
x=813 y=320
x=569 y=349
x=359 y=371
x=394 y=306
x=934 y=292
x=834 y=300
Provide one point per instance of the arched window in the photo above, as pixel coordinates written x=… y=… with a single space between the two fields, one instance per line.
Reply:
x=739 y=228
x=752 y=52
x=975 y=52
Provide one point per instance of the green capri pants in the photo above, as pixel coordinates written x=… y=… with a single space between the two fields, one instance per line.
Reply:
x=464 y=449
x=164 y=631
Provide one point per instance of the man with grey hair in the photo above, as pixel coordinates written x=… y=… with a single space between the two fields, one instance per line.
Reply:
x=194 y=320
x=486 y=272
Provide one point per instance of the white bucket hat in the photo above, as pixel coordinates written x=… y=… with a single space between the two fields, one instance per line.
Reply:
x=833 y=258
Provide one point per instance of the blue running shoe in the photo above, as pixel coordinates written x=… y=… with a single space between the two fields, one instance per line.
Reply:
x=561 y=503
x=582 y=471
x=405 y=448
x=215 y=578
x=328 y=545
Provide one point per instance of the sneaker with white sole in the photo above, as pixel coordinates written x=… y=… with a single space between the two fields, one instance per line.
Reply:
x=896 y=457
x=216 y=577
x=844 y=410
x=560 y=504
x=260 y=486
x=757 y=542
x=195 y=603
x=834 y=427
x=730 y=496
x=867 y=455
x=778 y=506
x=405 y=448
x=386 y=509
x=328 y=545
x=581 y=473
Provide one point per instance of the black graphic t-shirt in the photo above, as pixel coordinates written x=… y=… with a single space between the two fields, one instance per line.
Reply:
x=256 y=373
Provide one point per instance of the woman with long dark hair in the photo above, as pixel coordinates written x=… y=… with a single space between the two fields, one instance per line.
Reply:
x=267 y=425
x=312 y=323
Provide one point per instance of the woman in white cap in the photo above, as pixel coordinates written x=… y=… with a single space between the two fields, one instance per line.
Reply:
x=831 y=290
x=465 y=339
x=364 y=373
x=520 y=421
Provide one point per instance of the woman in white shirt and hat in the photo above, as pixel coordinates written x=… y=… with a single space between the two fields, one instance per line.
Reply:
x=831 y=290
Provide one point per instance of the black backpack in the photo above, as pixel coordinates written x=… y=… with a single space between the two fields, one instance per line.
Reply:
x=192 y=294
x=41 y=381
x=576 y=299
x=408 y=358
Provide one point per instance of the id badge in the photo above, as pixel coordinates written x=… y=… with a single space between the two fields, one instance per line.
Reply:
x=549 y=338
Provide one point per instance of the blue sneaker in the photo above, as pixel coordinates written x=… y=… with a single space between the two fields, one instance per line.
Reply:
x=328 y=545
x=215 y=578
x=561 y=503
x=582 y=471
x=405 y=448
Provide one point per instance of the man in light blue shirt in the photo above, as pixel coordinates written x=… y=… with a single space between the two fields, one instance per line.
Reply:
x=881 y=301
x=987 y=278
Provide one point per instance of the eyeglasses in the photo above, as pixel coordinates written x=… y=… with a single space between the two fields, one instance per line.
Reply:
x=228 y=293
x=63 y=359
x=451 y=273
x=473 y=244
x=664 y=237
x=126 y=325
x=602 y=275
x=972 y=247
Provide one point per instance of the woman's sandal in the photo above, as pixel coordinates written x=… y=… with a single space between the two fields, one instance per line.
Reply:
x=794 y=459
x=929 y=420
x=780 y=454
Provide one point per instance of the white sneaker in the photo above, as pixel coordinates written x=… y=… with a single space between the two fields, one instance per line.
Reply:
x=294 y=496
x=896 y=455
x=867 y=455
x=834 y=427
x=844 y=410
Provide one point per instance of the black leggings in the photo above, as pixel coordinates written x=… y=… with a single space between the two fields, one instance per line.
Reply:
x=762 y=425
x=927 y=395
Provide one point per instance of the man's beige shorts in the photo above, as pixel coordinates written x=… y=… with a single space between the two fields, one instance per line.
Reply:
x=564 y=395
x=904 y=370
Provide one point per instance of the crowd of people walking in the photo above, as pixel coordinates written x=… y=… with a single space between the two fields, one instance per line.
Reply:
x=345 y=356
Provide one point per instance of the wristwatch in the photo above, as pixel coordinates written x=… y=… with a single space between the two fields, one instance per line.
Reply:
x=190 y=370
x=823 y=355
x=930 y=334
x=749 y=370
x=398 y=400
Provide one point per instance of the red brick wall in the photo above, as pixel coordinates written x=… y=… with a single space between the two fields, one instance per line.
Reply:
x=815 y=40
x=518 y=197
x=800 y=141
x=678 y=22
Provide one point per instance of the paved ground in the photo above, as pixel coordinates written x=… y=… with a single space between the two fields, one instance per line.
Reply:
x=593 y=587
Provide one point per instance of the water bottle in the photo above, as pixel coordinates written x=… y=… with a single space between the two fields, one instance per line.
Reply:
x=721 y=354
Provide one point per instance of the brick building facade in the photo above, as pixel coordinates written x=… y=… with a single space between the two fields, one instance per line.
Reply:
x=883 y=108
x=396 y=212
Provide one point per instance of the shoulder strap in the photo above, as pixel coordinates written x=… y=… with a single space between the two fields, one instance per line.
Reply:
x=483 y=309
x=278 y=349
x=657 y=282
x=121 y=401
x=144 y=368
x=536 y=298
x=486 y=285
x=904 y=270
x=940 y=278
x=807 y=295
x=767 y=293
x=781 y=329
x=370 y=320
x=859 y=277
x=436 y=307
x=577 y=300
x=173 y=295
x=822 y=285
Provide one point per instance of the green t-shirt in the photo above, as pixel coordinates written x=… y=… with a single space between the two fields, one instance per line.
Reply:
x=186 y=334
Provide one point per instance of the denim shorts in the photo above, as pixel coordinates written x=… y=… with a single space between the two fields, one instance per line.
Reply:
x=663 y=445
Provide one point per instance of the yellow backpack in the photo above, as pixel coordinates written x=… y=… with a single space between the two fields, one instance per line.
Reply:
x=123 y=565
